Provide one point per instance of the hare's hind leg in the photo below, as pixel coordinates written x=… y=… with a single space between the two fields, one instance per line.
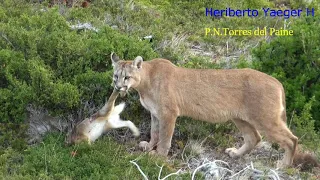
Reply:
x=118 y=123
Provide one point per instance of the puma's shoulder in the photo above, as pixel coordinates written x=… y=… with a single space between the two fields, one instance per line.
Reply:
x=159 y=62
x=158 y=70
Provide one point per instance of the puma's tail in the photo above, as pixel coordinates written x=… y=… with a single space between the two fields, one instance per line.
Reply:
x=305 y=161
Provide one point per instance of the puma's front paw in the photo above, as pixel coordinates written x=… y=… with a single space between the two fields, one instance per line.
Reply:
x=144 y=145
x=153 y=152
x=232 y=152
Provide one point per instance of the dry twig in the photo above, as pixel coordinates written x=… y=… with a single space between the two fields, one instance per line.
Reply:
x=142 y=173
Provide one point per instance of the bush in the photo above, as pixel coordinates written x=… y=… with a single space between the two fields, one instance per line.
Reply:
x=46 y=64
x=55 y=66
x=294 y=61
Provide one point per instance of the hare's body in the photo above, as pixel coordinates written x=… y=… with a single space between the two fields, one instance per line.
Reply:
x=95 y=130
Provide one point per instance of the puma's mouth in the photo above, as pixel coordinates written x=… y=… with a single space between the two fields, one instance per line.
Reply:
x=122 y=90
x=123 y=93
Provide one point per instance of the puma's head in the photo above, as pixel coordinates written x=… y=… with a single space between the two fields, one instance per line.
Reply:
x=126 y=73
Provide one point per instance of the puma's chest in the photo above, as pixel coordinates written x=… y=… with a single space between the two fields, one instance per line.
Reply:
x=148 y=104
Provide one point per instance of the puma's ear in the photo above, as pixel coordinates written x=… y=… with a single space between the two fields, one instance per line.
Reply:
x=137 y=62
x=114 y=59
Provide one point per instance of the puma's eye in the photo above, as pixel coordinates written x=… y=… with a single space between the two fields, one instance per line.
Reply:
x=116 y=76
x=127 y=77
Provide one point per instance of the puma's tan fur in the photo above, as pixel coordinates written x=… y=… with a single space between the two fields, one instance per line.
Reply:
x=253 y=100
x=106 y=118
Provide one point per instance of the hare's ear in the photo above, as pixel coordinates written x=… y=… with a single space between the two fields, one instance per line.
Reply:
x=137 y=62
x=114 y=59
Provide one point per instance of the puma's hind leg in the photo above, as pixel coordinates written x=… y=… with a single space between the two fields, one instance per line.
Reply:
x=251 y=138
x=284 y=137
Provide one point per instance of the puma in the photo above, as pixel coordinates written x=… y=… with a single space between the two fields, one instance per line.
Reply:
x=253 y=100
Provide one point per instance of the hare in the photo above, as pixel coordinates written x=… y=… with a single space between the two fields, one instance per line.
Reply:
x=106 y=118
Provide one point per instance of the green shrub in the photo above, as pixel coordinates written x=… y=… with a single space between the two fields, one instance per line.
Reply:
x=46 y=64
x=12 y=135
x=304 y=126
x=14 y=92
x=56 y=66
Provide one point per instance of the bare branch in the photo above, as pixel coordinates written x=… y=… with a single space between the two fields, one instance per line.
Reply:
x=214 y=162
x=8 y=41
x=276 y=174
x=142 y=173
x=238 y=173
x=176 y=173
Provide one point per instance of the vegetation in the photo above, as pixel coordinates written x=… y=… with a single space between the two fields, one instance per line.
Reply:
x=47 y=64
x=52 y=160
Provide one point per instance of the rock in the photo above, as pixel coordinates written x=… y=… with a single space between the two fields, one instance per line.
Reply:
x=40 y=123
